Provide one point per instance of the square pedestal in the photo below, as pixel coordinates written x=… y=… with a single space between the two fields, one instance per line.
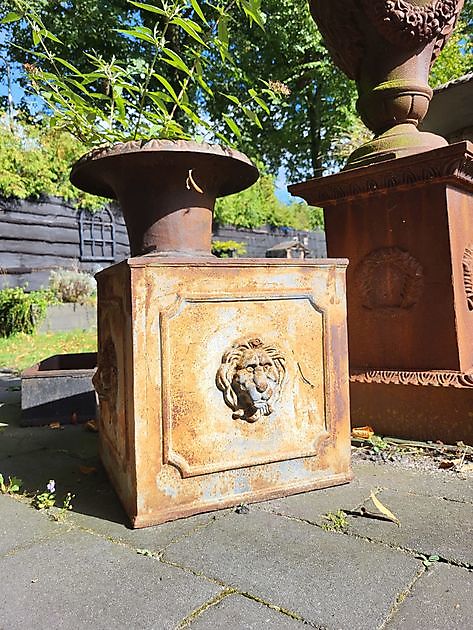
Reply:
x=221 y=382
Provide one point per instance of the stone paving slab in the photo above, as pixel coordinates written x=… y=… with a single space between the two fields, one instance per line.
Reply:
x=328 y=579
x=312 y=506
x=21 y=526
x=236 y=611
x=438 y=484
x=81 y=581
x=441 y=599
x=75 y=440
x=428 y=525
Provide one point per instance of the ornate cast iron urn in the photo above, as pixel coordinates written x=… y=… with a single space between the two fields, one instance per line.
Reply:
x=388 y=48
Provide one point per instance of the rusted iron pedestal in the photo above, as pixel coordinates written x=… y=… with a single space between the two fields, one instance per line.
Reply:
x=407 y=227
x=221 y=381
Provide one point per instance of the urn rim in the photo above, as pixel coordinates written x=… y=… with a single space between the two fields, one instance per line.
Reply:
x=232 y=170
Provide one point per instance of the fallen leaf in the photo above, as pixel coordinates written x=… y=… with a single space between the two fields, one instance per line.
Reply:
x=384 y=510
x=87 y=470
x=467 y=468
x=362 y=433
x=55 y=425
x=445 y=464
x=91 y=425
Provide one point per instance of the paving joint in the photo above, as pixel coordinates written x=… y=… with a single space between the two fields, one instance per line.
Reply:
x=402 y=596
x=197 y=612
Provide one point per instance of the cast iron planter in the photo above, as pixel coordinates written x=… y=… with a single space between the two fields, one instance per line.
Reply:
x=166 y=190
x=388 y=47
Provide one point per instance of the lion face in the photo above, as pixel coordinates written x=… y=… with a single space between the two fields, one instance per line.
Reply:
x=250 y=378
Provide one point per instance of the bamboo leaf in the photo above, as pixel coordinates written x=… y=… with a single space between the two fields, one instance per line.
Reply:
x=142 y=33
x=189 y=28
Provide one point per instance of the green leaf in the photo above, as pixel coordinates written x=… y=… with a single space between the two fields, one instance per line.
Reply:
x=261 y=103
x=11 y=17
x=198 y=10
x=232 y=98
x=148 y=7
x=167 y=85
x=251 y=115
x=189 y=27
x=138 y=33
x=36 y=37
x=68 y=65
x=232 y=124
x=176 y=61
x=222 y=29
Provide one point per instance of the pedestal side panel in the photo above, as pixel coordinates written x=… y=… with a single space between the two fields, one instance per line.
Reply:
x=399 y=281
x=243 y=381
x=460 y=214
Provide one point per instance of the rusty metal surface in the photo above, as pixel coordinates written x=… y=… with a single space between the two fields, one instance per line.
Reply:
x=407 y=228
x=221 y=382
x=166 y=190
x=388 y=49
x=407 y=303
x=418 y=412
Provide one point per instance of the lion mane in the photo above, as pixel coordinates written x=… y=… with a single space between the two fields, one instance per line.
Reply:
x=231 y=364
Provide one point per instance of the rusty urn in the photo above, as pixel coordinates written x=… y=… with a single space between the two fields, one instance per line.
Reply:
x=166 y=190
x=388 y=48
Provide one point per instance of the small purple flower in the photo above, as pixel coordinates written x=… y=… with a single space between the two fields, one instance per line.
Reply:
x=51 y=486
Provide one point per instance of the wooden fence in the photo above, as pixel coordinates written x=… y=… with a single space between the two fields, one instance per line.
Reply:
x=37 y=237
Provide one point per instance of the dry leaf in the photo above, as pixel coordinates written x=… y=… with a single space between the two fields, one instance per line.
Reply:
x=362 y=433
x=190 y=181
x=55 y=425
x=87 y=470
x=446 y=464
x=467 y=468
x=91 y=425
x=384 y=510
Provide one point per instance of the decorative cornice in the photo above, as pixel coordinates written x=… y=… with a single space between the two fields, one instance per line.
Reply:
x=450 y=164
x=433 y=378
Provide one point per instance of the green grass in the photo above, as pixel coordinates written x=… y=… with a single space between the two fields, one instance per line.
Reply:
x=21 y=351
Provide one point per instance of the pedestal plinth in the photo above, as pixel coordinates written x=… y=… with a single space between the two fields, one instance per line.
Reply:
x=406 y=226
x=221 y=382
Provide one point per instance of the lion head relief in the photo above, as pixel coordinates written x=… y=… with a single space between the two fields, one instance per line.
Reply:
x=250 y=377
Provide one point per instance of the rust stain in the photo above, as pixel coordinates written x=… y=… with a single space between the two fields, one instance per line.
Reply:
x=189 y=448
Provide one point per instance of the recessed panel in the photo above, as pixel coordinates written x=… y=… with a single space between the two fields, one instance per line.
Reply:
x=243 y=382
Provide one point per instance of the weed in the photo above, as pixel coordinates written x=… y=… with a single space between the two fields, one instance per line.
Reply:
x=428 y=561
x=12 y=486
x=47 y=499
x=66 y=506
x=378 y=443
x=337 y=521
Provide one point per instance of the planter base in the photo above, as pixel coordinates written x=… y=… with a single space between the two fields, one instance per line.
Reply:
x=414 y=405
x=59 y=389
x=221 y=382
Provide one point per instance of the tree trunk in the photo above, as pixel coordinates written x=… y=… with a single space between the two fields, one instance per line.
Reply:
x=314 y=102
